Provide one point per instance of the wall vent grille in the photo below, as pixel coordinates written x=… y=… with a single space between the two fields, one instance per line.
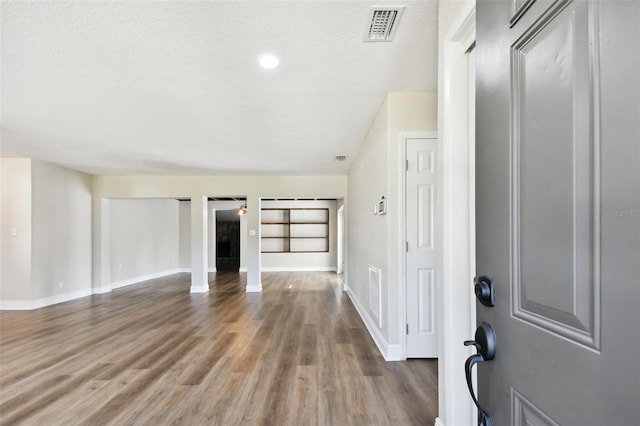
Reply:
x=375 y=295
x=383 y=23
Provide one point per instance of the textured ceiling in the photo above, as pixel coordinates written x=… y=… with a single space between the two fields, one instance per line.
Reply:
x=174 y=87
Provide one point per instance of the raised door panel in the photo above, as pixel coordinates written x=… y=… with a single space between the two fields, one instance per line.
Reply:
x=426 y=296
x=426 y=216
x=554 y=177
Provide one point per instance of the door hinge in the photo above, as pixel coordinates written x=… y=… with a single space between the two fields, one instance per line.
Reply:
x=406 y=246
x=406 y=165
x=407 y=329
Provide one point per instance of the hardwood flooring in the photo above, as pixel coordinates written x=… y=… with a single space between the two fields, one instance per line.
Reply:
x=151 y=353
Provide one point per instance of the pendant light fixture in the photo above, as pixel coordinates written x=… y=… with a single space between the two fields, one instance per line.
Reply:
x=243 y=209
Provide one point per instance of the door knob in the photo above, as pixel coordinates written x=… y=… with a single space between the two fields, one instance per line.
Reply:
x=485 y=290
x=485 y=343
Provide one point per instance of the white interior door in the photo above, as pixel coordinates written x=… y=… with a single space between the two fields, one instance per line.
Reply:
x=422 y=254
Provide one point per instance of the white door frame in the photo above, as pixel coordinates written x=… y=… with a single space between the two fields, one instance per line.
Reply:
x=403 y=227
x=340 y=245
x=456 y=161
x=213 y=247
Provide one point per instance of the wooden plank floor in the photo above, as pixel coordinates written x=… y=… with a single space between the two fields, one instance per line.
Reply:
x=151 y=353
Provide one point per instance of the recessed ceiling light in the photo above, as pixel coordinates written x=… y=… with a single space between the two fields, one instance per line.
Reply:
x=268 y=61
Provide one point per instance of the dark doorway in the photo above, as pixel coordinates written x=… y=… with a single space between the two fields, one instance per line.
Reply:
x=227 y=242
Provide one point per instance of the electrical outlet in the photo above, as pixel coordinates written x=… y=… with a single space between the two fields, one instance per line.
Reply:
x=120 y=266
x=60 y=284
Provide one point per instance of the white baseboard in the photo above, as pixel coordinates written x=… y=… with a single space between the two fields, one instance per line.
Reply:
x=254 y=288
x=16 y=305
x=27 y=305
x=243 y=269
x=188 y=270
x=135 y=280
x=102 y=289
x=438 y=422
x=389 y=352
x=298 y=269
x=394 y=353
x=199 y=289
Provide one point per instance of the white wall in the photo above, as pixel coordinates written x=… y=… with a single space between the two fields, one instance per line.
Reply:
x=144 y=239
x=376 y=240
x=449 y=12
x=254 y=187
x=304 y=261
x=15 y=212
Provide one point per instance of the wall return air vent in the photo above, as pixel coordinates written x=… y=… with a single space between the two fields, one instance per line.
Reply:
x=383 y=23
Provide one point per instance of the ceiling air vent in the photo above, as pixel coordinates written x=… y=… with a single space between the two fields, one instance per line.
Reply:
x=383 y=23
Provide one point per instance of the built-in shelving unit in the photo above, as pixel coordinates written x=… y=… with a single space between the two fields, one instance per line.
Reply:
x=295 y=230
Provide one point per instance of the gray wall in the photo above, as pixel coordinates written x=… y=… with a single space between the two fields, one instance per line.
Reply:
x=144 y=238
x=184 y=218
x=377 y=240
x=61 y=230
x=367 y=233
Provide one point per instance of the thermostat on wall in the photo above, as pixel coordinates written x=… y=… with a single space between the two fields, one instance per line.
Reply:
x=380 y=207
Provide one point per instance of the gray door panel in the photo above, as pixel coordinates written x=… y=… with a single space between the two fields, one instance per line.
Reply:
x=558 y=209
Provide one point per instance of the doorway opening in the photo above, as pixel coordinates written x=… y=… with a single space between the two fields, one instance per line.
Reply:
x=227 y=236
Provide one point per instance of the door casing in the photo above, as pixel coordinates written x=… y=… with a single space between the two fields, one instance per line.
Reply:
x=455 y=406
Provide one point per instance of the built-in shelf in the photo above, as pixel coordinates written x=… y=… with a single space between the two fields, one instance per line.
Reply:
x=295 y=230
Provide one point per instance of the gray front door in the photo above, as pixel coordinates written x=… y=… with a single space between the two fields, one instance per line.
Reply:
x=558 y=210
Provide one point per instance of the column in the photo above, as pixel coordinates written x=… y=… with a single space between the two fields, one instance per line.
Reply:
x=101 y=246
x=254 y=282
x=199 y=245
